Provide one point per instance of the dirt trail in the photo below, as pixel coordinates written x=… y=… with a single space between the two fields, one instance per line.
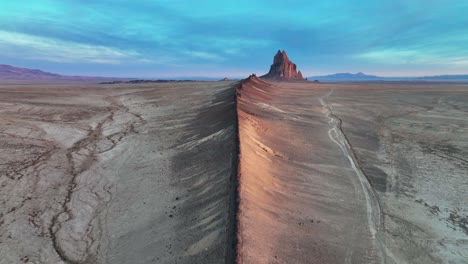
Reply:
x=374 y=215
x=409 y=141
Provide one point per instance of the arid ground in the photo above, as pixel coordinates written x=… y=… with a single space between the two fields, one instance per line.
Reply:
x=148 y=173
x=353 y=173
x=117 y=174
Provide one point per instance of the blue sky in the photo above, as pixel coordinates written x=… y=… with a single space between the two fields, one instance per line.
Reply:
x=170 y=38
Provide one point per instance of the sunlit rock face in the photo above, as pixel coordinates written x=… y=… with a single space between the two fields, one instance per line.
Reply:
x=283 y=68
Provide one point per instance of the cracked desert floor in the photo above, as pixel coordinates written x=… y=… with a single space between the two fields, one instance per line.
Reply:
x=117 y=174
x=148 y=173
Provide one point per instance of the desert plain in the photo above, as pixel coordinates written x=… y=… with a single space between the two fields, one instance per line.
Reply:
x=353 y=173
x=117 y=173
x=234 y=172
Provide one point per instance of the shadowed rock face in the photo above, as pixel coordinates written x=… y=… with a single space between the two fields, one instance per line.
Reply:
x=283 y=68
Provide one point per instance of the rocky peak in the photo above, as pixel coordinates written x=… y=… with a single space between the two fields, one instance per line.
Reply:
x=283 y=68
x=299 y=75
x=280 y=57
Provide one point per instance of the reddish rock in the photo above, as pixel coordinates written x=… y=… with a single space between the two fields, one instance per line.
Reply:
x=283 y=68
x=299 y=75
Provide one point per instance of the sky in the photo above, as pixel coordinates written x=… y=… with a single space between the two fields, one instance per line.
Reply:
x=234 y=38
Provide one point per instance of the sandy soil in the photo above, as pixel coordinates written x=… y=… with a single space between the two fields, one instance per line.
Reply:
x=336 y=173
x=117 y=174
x=300 y=198
x=412 y=143
x=147 y=173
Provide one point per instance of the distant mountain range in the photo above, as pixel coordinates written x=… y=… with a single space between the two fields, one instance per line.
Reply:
x=446 y=77
x=346 y=76
x=11 y=73
x=341 y=77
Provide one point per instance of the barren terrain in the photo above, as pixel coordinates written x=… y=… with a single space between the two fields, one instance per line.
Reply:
x=411 y=141
x=353 y=173
x=117 y=174
x=148 y=173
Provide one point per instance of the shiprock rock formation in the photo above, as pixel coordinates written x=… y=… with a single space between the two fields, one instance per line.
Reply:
x=282 y=68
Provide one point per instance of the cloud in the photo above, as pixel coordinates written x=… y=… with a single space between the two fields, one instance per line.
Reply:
x=208 y=56
x=183 y=36
x=402 y=56
x=49 y=49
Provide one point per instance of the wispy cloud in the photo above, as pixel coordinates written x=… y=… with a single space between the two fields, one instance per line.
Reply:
x=49 y=49
x=203 y=55
x=187 y=36
x=401 y=56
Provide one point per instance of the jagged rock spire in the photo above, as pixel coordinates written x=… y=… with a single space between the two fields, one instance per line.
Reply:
x=283 y=68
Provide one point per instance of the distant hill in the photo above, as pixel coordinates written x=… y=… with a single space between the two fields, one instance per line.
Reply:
x=349 y=77
x=346 y=77
x=446 y=77
x=11 y=73
x=8 y=72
